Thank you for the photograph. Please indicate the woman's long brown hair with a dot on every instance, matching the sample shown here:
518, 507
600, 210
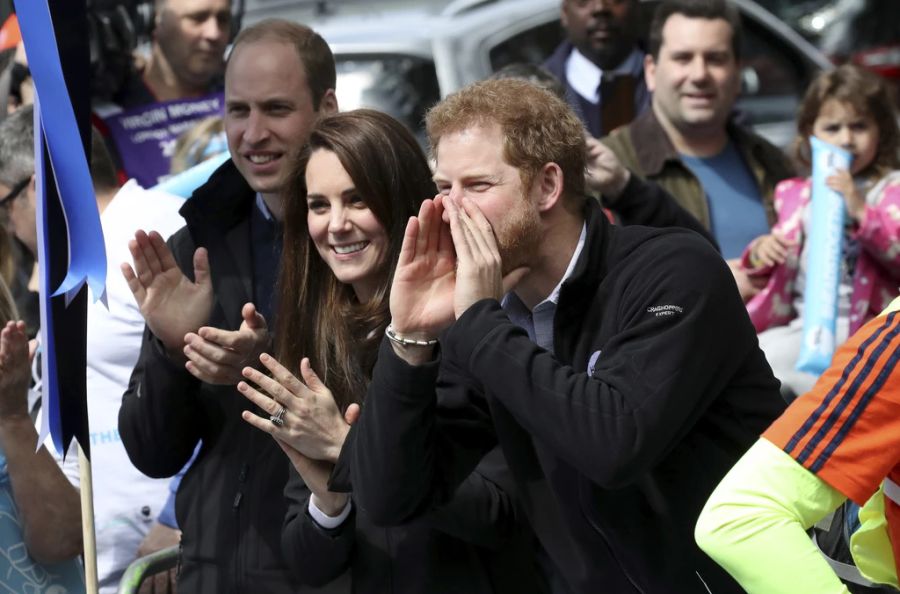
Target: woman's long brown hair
318, 316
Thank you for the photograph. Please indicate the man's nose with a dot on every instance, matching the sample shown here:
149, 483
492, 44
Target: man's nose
698, 69
256, 129
456, 192
214, 28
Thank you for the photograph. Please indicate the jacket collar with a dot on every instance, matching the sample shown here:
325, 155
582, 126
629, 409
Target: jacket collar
591, 265
651, 143
222, 202
218, 218
654, 149
556, 63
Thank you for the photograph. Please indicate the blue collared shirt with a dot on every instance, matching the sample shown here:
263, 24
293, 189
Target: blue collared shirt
539, 321
265, 236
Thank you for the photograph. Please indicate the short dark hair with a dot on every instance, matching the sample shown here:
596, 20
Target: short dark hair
315, 55
696, 9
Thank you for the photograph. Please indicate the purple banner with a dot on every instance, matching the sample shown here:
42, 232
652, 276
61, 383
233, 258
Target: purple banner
145, 136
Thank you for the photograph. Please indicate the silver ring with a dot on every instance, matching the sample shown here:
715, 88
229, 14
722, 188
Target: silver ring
278, 418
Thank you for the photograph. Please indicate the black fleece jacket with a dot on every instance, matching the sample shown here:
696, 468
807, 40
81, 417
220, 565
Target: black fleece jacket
230, 504
656, 388
475, 544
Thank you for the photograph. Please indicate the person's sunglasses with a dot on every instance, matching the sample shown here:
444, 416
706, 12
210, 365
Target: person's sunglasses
14, 192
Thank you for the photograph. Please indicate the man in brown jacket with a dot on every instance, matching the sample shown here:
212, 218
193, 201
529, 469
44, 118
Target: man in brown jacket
721, 173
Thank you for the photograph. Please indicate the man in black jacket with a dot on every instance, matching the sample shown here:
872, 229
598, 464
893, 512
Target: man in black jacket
621, 376
206, 303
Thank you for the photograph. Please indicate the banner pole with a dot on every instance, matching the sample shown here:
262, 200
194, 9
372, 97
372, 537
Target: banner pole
87, 523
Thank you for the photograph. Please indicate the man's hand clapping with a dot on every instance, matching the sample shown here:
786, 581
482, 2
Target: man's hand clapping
171, 304
217, 356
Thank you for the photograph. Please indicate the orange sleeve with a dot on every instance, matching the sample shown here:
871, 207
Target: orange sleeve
846, 430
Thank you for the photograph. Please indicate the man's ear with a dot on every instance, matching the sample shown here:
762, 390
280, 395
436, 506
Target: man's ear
329, 104
549, 186
650, 72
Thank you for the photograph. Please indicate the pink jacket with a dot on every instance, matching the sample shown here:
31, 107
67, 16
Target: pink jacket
876, 279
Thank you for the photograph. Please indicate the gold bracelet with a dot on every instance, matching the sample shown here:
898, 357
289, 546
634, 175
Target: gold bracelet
394, 337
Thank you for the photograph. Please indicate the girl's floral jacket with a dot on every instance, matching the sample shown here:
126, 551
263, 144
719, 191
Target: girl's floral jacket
876, 277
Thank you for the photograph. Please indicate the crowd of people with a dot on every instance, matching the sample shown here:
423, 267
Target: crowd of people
556, 354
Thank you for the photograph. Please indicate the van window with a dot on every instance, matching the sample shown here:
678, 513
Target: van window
402, 86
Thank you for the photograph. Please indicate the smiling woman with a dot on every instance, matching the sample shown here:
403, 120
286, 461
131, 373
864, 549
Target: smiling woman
347, 201
346, 233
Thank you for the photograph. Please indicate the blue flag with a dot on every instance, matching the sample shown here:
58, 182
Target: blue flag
71, 251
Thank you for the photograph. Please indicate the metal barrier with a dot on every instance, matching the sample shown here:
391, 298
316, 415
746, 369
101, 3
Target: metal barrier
145, 567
